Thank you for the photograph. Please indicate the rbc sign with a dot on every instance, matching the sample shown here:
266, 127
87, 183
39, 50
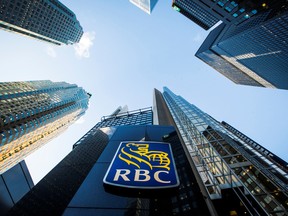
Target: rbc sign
143, 165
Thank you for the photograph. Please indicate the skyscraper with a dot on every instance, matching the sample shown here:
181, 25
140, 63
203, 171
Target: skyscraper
121, 116
193, 11
252, 53
46, 20
14, 184
250, 45
221, 171
207, 13
231, 71
145, 5
34, 112
230, 164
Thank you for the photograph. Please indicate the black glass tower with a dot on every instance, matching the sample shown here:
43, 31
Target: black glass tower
14, 184
250, 45
46, 20
252, 53
221, 171
207, 13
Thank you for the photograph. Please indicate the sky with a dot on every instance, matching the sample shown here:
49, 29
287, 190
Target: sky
123, 55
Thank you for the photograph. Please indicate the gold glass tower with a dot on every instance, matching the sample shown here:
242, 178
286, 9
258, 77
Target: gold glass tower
34, 112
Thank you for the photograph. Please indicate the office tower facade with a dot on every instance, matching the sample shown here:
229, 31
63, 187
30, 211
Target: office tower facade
47, 20
120, 117
250, 45
14, 184
34, 112
193, 11
229, 163
145, 5
207, 13
231, 71
221, 171
253, 53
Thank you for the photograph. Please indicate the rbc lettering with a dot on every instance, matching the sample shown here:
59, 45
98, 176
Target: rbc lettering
140, 175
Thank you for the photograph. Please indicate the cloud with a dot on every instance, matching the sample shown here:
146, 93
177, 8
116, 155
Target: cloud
82, 49
198, 38
51, 52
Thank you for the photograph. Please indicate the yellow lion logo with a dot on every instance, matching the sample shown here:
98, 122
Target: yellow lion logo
135, 154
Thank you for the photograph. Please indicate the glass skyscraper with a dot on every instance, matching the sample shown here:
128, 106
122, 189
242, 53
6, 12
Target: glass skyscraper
207, 13
221, 171
121, 116
46, 20
249, 47
254, 53
14, 184
145, 5
228, 162
34, 112
193, 11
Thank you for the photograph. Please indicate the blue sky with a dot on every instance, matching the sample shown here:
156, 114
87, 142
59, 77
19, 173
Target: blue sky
124, 54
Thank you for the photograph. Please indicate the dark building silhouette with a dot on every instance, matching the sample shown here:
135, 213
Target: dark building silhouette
252, 53
14, 184
249, 46
207, 13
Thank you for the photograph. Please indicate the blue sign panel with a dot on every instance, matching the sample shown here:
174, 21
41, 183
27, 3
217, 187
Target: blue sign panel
143, 165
